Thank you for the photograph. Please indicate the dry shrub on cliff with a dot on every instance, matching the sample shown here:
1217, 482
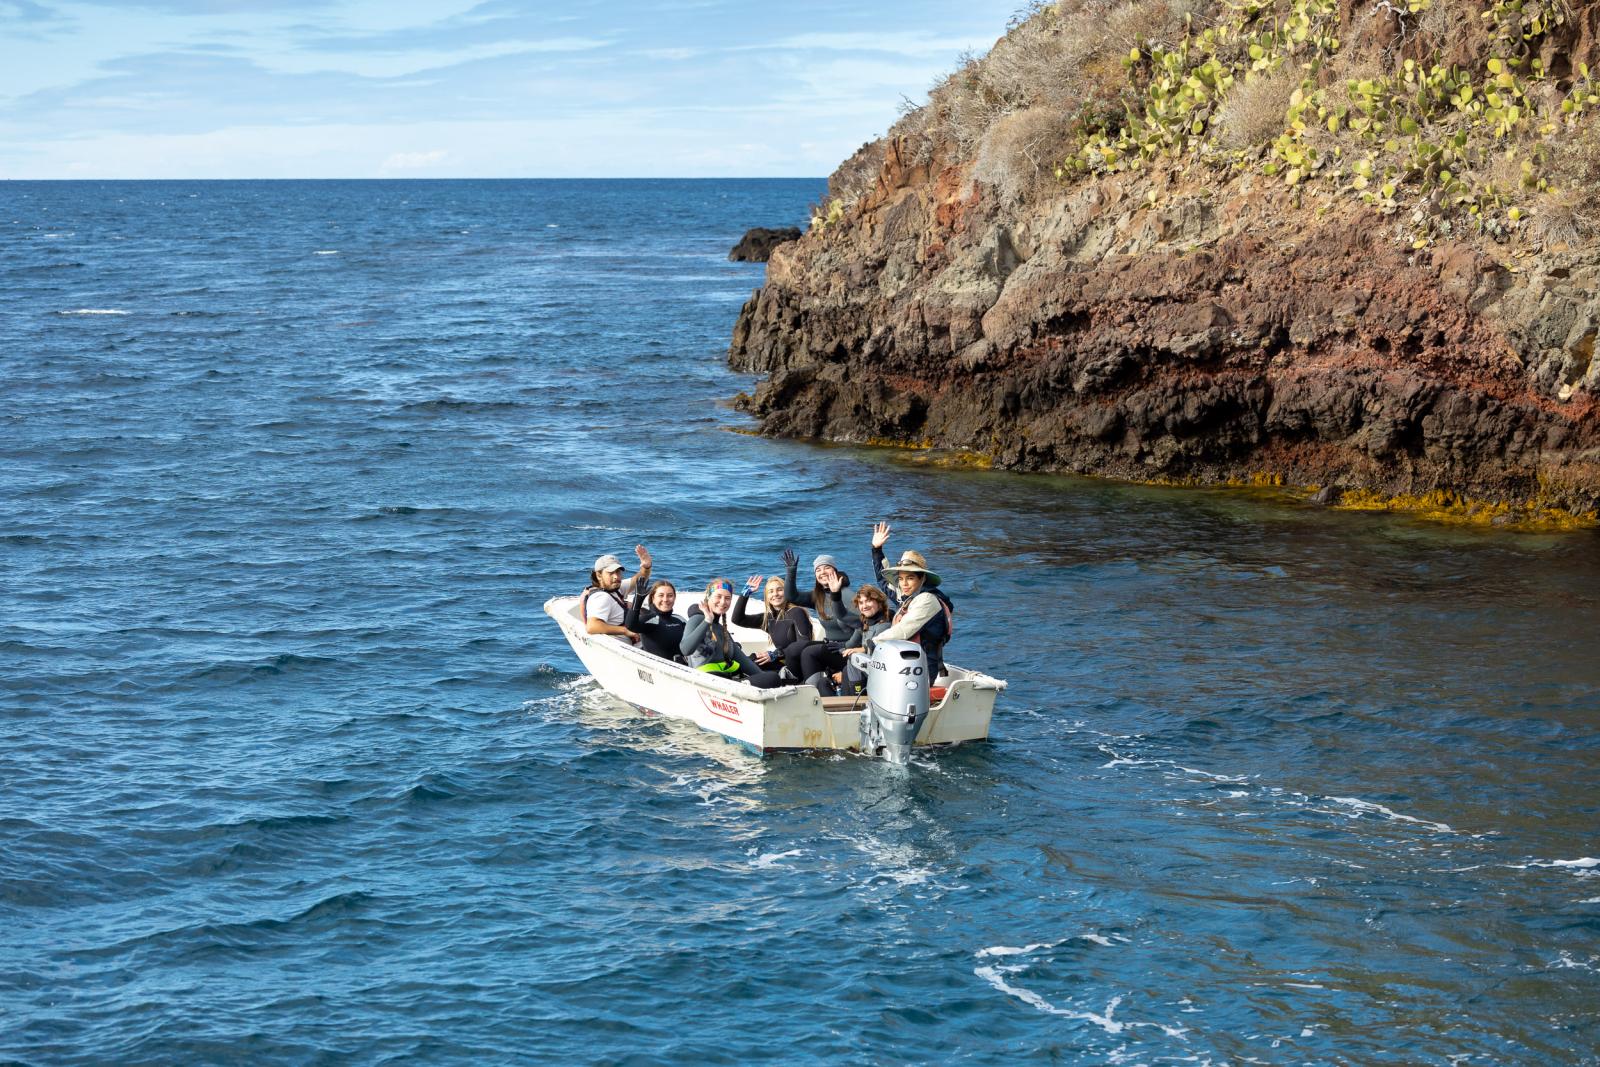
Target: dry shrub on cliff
965, 105
914, 129
1574, 158
1570, 212
856, 174
1065, 56
1255, 111
1019, 153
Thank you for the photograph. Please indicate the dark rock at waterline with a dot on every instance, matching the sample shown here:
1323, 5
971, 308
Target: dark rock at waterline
1100, 332
1328, 496
757, 244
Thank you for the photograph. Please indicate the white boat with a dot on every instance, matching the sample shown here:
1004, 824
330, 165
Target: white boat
793, 718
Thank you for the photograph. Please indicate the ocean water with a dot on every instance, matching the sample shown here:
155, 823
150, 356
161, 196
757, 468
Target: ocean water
294, 769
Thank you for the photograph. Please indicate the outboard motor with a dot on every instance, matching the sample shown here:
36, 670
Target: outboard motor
897, 698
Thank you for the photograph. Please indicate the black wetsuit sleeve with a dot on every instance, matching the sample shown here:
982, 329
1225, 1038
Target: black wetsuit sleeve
741, 616
890, 593
791, 575
635, 608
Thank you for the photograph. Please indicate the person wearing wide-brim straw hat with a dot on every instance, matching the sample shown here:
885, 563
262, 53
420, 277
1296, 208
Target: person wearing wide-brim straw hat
921, 612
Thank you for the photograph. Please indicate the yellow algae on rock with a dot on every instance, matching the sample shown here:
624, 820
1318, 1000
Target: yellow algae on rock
1443, 505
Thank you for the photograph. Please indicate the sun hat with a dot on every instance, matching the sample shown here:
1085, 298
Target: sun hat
607, 563
913, 563
824, 561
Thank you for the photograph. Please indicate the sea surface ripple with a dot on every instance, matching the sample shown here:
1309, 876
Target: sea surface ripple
294, 769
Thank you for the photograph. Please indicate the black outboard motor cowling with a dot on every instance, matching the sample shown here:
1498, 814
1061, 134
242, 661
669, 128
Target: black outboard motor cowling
897, 698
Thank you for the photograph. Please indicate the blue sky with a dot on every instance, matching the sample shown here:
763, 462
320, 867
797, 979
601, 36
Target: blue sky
463, 88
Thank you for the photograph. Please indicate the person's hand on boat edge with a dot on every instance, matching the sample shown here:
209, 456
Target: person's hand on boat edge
880, 534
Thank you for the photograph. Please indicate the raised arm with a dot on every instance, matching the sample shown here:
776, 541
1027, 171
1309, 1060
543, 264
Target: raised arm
641, 580
791, 568
880, 537
635, 608
740, 615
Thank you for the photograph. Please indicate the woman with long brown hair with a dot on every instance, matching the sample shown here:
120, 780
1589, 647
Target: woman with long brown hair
708, 644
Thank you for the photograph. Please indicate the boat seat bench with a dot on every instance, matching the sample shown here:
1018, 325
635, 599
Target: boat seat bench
856, 703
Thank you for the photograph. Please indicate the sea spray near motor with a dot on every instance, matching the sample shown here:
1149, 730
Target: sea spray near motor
898, 689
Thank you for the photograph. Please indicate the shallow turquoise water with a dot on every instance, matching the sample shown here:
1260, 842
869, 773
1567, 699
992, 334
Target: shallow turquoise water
296, 769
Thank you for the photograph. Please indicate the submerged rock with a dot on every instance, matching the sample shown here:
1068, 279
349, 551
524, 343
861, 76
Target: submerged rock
1328, 496
757, 244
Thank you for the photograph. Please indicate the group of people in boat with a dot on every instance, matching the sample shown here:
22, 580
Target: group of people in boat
906, 604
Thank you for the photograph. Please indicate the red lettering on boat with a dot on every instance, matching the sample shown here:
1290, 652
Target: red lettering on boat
721, 707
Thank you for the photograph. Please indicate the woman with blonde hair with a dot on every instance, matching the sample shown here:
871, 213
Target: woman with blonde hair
784, 621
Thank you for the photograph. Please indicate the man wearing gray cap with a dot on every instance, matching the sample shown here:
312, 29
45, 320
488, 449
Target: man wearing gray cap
605, 602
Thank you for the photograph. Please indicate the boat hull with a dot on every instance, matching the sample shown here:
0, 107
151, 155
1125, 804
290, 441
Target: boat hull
794, 718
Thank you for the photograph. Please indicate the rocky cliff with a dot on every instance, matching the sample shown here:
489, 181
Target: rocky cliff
1193, 294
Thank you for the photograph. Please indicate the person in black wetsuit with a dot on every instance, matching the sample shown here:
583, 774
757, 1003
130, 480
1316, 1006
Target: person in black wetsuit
660, 631
829, 599
709, 646
786, 623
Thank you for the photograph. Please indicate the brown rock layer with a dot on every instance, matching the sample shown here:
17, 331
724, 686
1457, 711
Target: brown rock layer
1177, 327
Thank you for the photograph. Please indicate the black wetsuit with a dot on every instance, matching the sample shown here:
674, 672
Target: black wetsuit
660, 634
838, 623
708, 641
790, 631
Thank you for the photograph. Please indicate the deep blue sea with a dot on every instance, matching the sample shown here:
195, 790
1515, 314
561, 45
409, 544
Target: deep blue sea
294, 769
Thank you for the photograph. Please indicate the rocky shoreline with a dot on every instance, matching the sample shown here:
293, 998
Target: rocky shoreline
1172, 325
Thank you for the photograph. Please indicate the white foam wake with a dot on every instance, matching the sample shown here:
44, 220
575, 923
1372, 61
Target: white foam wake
1124, 761
1356, 806
1367, 805
1029, 997
1580, 867
1567, 960
770, 859
94, 311
1012, 950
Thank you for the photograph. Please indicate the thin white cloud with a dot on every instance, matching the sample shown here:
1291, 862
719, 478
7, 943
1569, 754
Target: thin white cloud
368, 87
31, 21
671, 55
201, 8
919, 45
411, 161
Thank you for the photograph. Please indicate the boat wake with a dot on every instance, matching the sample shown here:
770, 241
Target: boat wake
1002, 977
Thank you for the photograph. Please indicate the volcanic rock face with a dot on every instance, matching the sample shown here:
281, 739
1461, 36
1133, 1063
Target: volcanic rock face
1146, 329
757, 244
1222, 296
